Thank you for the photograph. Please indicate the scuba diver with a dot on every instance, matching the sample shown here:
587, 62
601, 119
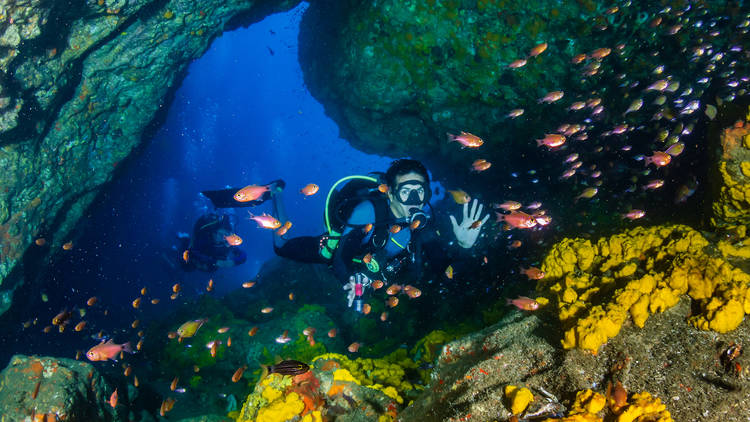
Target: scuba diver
378, 227
214, 243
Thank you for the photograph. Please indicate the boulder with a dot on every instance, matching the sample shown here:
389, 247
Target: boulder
46, 388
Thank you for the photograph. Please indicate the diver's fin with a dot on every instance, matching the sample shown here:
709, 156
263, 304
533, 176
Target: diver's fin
224, 198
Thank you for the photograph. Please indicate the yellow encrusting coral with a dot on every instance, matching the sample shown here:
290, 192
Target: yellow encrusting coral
518, 398
386, 375
637, 273
732, 205
644, 407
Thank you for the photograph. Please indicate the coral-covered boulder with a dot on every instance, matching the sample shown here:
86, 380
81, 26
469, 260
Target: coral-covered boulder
56, 389
731, 206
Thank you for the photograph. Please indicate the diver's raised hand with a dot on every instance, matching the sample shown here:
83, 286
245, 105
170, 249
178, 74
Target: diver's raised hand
468, 231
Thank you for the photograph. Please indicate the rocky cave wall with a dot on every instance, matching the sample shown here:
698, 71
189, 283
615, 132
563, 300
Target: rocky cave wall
80, 82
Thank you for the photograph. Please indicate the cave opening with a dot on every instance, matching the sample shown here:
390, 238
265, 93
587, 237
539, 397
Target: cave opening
242, 115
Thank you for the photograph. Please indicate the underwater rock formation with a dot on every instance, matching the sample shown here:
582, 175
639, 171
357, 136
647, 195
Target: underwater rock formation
46, 388
80, 85
732, 206
687, 370
397, 75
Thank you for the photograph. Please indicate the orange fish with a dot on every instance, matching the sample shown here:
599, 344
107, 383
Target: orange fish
47, 329
67, 246
176, 288
214, 347
166, 406
466, 139
92, 300
551, 140
210, 285
515, 64
309, 331
538, 49
377, 284
460, 197
173, 385
222, 330
80, 325
392, 301
253, 331
62, 317
144, 291
384, 316
107, 350
415, 224
135, 381
154, 301
393, 289
367, 258
449, 272
128, 370
310, 189
413, 293
137, 302
660, 159
480, 165
267, 310
524, 303
282, 230
367, 228
366, 308
139, 345
266, 221
113, 399
186, 255
172, 334
332, 333
353, 347
532, 273
41, 241
248, 284
135, 323
551, 97
600, 53
578, 58
238, 373
509, 205
233, 240
291, 296
516, 244
476, 224
383, 188
250, 193
395, 228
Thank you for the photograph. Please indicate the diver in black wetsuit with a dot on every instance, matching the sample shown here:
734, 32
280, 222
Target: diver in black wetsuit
384, 227
208, 249
211, 246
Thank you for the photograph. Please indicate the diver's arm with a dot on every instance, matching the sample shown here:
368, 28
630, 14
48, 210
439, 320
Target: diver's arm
350, 244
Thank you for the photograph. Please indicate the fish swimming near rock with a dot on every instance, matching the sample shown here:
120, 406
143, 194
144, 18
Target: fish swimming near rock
286, 367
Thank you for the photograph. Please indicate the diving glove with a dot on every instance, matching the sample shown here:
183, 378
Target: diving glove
356, 290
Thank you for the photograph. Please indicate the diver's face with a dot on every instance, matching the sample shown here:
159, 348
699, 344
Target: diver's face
408, 194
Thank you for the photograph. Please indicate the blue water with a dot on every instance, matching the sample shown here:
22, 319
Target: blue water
242, 116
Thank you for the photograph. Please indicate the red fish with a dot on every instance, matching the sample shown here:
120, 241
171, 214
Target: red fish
524, 303
517, 219
466, 139
107, 350
310, 189
532, 273
660, 159
233, 240
250, 193
113, 399
266, 221
551, 140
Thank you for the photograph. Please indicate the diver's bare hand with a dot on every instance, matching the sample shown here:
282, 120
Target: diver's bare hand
468, 231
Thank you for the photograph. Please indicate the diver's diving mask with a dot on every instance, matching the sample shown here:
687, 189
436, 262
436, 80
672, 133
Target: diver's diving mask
412, 192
